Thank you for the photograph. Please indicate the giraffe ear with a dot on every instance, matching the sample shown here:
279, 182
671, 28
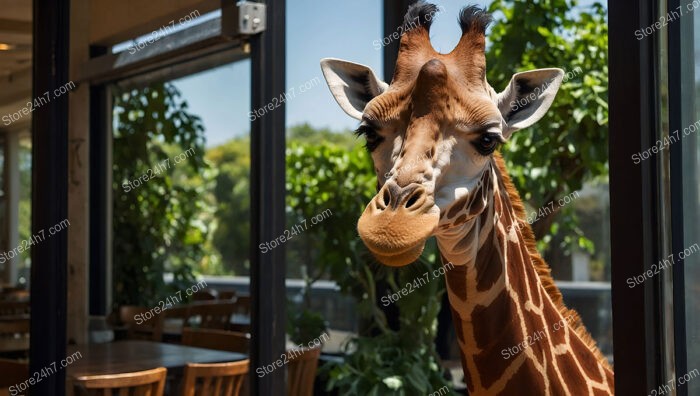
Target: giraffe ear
352, 85
528, 97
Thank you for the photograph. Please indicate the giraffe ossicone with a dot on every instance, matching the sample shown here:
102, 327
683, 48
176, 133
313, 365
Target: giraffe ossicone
433, 134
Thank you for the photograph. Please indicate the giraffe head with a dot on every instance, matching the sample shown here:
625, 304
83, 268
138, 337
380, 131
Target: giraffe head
433, 130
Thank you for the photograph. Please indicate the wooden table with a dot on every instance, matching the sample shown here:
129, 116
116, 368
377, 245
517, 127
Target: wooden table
130, 356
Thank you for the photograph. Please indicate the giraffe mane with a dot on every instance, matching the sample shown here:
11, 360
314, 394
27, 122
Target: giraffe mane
541, 267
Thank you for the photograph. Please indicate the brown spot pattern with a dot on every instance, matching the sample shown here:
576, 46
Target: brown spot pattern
457, 281
526, 381
488, 264
457, 207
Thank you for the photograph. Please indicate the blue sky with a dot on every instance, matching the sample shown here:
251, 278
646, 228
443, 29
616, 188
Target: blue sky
315, 30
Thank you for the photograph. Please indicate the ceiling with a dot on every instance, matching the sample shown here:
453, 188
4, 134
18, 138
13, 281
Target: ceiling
15, 51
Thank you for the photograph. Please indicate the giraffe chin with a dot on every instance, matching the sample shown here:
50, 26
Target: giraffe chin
400, 259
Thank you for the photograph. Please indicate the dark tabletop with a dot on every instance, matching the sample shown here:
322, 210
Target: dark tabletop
129, 356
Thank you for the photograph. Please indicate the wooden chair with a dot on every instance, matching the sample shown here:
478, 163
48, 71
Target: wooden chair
217, 379
13, 373
151, 329
241, 309
14, 308
20, 295
142, 383
14, 338
174, 320
205, 295
214, 314
242, 305
230, 341
302, 371
227, 295
14, 328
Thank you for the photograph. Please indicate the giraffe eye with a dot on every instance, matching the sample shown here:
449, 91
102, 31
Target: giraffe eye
372, 138
487, 143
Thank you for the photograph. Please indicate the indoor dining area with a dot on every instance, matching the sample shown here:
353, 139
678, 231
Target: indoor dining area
197, 348
84, 310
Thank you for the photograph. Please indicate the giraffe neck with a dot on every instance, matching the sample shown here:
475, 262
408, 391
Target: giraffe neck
514, 333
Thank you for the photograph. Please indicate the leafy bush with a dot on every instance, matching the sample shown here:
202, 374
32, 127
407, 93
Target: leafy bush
156, 224
388, 364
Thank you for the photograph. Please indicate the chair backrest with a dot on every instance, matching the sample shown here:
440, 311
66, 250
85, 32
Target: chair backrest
141, 383
227, 294
222, 340
13, 373
15, 295
301, 372
216, 379
205, 295
142, 323
14, 328
213, 314
242, 304
14, 308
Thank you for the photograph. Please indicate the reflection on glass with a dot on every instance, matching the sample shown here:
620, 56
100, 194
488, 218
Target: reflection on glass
691, 213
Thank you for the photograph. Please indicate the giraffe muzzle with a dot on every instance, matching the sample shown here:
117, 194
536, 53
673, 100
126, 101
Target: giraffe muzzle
397, 222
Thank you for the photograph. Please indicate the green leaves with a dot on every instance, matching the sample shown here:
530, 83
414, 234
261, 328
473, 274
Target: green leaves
389, 364
157, 224
569, 145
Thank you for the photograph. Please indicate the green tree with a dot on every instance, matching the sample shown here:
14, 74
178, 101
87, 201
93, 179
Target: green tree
157, 222
569, 146
231, 235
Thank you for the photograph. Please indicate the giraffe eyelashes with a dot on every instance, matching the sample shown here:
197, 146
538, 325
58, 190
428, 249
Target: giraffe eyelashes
372, 138
487, 143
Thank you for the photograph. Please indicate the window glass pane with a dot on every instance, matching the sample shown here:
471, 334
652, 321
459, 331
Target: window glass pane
691, 210
325, 162
571, 217
567, 207
181, 164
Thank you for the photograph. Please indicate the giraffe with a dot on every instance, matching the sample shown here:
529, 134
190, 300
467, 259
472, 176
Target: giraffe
433, 133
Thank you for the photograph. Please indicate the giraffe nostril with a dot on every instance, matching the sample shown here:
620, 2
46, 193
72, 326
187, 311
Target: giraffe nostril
413, 199
387, 197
